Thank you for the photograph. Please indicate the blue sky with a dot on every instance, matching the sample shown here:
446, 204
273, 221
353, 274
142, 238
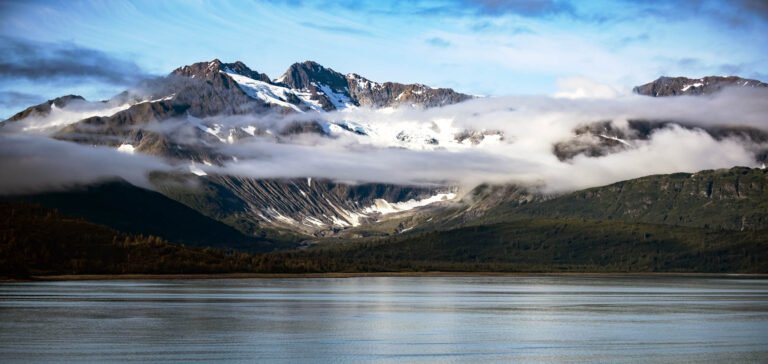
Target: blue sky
488, 47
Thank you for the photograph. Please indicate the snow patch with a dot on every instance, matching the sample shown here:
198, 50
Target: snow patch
383, 207
694, 85
249, 129
314, 221
339, 100
263, 91
126, 148
622, 141
196, 170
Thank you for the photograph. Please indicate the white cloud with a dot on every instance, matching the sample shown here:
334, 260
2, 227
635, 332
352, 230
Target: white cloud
582, 87
531, 125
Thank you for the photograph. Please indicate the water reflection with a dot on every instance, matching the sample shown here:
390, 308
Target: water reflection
388, 319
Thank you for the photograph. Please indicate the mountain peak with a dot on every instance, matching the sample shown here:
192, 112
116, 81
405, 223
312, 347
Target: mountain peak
208, 70
676, 86
308, 75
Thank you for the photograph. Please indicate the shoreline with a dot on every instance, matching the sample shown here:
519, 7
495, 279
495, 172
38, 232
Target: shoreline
208, 276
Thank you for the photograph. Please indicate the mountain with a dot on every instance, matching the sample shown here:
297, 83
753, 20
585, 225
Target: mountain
310, 206
182, 117
666, 223
134, 210
334, 91
709, 221
44, 108
604, 137
733, 199
203, 92
38, 240
676, 86
199, 118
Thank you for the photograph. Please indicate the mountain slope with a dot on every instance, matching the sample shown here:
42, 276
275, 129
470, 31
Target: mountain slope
131, 209
44, 108
542, 245
733, 199
36, 240
308, 205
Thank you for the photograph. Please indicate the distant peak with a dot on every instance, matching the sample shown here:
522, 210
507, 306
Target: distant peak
675, 86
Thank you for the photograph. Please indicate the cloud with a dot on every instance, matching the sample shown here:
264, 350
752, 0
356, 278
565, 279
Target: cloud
438, 42
531, 126
13, 99
56, 63
756, 7
36, 163
337, 29
531, 8
581, 87
689, 63
633, 39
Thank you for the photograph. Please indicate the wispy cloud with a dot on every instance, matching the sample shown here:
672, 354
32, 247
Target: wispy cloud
530, 8
53, 63
13, 99
338, 29
438, 42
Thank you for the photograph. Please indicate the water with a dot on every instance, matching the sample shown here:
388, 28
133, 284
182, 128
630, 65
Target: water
388, 319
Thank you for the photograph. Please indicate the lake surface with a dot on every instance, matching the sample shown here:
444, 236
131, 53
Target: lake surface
388, 319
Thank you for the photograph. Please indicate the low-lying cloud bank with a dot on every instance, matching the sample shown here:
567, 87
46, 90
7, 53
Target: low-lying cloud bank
32, 163
531, 127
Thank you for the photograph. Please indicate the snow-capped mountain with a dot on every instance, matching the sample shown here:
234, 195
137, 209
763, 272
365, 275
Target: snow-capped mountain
675, 86
184, 117
310, 86
199, 115
605, 137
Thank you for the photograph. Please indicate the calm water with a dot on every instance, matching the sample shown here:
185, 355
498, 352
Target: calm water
402, 319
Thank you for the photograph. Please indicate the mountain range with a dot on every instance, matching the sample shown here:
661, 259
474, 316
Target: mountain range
196, 117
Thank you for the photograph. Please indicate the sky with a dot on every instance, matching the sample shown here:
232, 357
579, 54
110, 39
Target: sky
483, 47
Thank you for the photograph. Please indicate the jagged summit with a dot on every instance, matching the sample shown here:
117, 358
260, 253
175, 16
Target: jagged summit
209, 70
308, 75
676, 86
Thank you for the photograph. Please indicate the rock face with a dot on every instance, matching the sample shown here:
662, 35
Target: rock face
335, 91
389, 94
308, 205
326, 86
676, 86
